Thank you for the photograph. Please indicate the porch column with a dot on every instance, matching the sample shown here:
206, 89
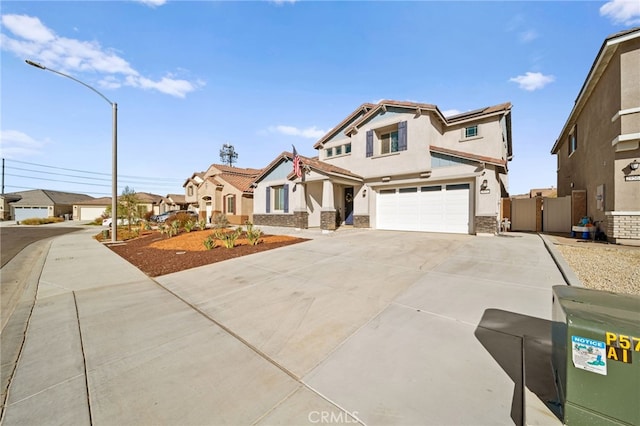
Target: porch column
328, 211
300, 213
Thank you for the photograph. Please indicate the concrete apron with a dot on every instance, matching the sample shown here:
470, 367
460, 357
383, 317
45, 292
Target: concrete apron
394, 328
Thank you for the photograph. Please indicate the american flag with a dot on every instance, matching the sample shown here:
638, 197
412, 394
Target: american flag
296, 163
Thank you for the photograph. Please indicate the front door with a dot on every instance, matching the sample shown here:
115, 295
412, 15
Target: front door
348, 206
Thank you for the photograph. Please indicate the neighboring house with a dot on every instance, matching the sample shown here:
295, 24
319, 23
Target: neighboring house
5, 206
148, 202
397, 166
42, 203
173, 202
598, 150
91, 209
96, 207
222, 189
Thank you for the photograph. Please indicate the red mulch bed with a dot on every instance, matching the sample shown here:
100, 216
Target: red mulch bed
155, 254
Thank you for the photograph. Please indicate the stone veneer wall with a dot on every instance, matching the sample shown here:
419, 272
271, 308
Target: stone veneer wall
486, 224
328, 220
301, 219
361, 221
275, 220
620, 227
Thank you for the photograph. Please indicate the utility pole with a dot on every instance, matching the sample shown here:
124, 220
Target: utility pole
3, 176
228, 154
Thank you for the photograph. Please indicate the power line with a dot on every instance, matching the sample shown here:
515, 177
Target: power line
94, 173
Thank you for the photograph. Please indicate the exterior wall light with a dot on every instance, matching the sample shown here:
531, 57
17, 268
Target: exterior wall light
634, 165
484, 184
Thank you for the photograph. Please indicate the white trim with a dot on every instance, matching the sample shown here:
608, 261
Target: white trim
625, 138
621, 213
624, 112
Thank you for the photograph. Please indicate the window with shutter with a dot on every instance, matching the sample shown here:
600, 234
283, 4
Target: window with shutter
268, 208
402, 136
285, 190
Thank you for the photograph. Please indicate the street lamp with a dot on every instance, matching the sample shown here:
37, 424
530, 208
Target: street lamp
114, 156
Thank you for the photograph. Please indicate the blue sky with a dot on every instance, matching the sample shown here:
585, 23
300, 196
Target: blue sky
189, 77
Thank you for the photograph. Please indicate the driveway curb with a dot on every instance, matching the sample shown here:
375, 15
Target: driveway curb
567, 273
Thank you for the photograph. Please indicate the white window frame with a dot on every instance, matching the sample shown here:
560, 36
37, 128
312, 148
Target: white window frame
278, 198
231, 198
572, 141
466, 131
389, 141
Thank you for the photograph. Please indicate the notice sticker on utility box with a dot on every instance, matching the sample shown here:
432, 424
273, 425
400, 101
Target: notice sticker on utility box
589, 355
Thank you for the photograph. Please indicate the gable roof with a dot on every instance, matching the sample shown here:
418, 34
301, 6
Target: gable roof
371, 110
237, 170
240, 182
600, 64
46, 197
102, 201
176, 198
469, 156
312, 163
361, 110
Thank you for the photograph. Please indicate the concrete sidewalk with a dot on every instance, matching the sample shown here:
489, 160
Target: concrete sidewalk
359, 326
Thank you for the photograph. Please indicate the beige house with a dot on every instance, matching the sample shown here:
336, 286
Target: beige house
94, 208
396, 166
222, 189
598, 150
173, 202
40, 203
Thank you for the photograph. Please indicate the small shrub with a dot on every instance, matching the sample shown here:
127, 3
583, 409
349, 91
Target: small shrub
253, 234
209, 243
228, 238
41, 220
173, 228
162, 228
202, 224
189, 225
220, 221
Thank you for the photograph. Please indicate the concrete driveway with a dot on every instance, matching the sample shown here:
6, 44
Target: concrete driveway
357, 326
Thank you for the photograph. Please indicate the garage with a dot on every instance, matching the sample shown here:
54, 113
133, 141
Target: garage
22, 213
431, 208
90, 212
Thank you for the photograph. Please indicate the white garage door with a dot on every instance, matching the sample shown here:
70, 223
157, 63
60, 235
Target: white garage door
433, 208
90, 213
22, 213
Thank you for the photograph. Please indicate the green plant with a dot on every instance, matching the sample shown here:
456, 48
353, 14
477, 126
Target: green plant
253, 234
202, 224
228, 238
173, 228
162, 228
209, 243
220, 221
189, 225
41, 220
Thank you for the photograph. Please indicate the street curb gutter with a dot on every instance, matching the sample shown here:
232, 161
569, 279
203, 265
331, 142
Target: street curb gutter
567, 273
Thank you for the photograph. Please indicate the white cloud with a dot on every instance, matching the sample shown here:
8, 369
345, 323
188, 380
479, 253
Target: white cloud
35, 41
527, 36
152, 3
14, 143
533, 81
625, 12
310, 132
281, 2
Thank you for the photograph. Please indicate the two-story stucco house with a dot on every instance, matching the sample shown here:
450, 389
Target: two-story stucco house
222, 189
598, 150
396, 166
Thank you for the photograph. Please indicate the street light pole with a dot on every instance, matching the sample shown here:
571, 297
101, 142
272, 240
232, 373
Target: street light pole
114, 144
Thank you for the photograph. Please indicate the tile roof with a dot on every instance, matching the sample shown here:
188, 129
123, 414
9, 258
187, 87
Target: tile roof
237, 170
177, 198
102, 201
146, 197
238, 181
468, 156
45, 197
370, 110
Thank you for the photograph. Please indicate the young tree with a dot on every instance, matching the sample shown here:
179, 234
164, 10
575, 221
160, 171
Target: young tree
128, 207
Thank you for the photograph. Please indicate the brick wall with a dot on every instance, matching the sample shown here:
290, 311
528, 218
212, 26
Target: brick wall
361, 221
622, 227
486, 224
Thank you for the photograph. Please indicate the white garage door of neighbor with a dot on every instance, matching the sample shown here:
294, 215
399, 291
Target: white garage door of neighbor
23, 213
432, 208
90, 213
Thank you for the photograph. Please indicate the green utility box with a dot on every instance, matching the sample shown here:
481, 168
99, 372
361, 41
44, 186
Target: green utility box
596, 356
